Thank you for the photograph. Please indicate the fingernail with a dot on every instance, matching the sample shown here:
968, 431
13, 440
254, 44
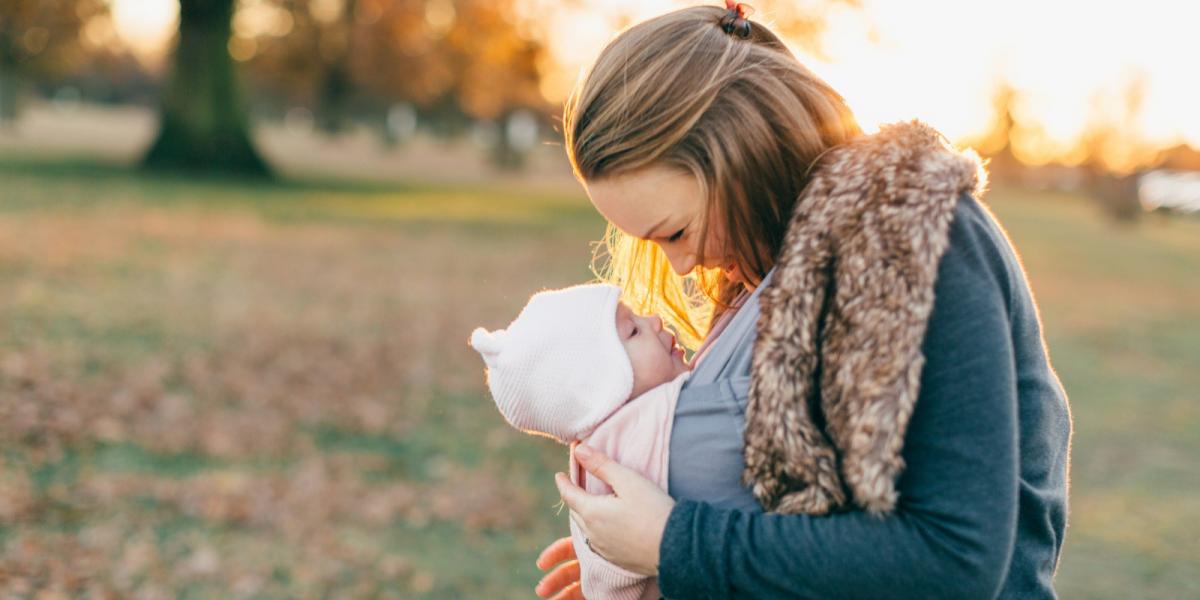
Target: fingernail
582, 451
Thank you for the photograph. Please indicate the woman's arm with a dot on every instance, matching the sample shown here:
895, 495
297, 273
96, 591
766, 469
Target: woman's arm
953, 531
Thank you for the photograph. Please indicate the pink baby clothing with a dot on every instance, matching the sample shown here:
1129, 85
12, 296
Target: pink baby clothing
560, 370
638, 436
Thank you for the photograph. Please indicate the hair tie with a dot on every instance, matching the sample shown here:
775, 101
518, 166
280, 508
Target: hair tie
737, 18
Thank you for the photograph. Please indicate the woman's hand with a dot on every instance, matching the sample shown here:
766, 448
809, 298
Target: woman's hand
563, 582
625, 527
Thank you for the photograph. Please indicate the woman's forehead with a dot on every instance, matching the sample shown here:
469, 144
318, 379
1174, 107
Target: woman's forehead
641, 202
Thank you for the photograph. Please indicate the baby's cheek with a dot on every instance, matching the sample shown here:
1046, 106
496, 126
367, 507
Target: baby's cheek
644, 370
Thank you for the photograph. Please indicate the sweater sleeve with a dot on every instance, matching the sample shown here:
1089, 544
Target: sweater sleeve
953, 531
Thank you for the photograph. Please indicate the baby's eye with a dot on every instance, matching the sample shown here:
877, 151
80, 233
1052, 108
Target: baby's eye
634, 332
676, 236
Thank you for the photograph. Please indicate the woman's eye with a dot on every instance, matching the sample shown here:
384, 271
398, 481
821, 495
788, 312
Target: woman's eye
676, 236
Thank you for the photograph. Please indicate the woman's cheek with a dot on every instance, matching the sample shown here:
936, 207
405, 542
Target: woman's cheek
681, 263
714, 249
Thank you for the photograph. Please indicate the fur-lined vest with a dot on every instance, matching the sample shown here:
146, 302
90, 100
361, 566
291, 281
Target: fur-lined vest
837, 361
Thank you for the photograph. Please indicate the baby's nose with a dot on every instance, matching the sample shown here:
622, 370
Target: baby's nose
657, 322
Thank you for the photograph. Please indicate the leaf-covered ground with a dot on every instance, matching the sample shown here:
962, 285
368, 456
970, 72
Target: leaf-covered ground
233, 389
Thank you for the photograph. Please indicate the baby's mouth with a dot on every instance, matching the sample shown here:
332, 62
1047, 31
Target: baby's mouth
674, 347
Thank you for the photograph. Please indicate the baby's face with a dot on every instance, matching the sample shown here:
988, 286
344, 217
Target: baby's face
652, 350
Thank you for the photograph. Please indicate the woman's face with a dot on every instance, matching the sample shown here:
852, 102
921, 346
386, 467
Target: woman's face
664, 206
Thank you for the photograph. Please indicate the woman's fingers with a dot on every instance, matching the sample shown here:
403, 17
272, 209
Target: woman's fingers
560, 580
571, 592
616, 475
574, 496
558, 551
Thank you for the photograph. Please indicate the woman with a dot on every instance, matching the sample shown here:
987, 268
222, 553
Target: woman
874, 373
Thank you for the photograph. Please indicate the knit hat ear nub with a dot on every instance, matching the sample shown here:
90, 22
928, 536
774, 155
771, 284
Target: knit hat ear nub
559, 368
487, 344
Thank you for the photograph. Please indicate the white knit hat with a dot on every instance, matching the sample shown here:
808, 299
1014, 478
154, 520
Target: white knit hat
560, 368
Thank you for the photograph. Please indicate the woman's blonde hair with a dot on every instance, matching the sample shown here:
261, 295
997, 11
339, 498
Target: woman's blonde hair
741, 115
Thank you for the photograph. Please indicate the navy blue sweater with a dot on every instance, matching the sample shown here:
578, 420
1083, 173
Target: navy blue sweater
983, 499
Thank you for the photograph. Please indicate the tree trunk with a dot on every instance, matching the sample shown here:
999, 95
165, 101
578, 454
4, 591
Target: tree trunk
203, 123
335, 87
10, 96
333, 97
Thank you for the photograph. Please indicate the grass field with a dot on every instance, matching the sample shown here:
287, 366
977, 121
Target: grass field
235, 389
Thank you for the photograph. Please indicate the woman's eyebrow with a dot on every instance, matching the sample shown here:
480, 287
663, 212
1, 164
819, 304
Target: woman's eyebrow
655, 228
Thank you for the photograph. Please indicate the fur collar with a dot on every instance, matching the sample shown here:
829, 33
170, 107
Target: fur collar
837, 362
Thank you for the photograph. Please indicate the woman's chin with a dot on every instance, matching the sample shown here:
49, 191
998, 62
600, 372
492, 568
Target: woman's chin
733, 274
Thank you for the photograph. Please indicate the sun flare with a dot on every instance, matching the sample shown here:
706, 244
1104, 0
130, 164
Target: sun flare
1073, 65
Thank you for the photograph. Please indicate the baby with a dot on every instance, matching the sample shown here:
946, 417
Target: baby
578, 365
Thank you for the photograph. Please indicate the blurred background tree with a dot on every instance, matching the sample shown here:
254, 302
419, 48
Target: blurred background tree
460, 64
1114, 155
456, 61
494, 73
203, 121
997, 142
39, 40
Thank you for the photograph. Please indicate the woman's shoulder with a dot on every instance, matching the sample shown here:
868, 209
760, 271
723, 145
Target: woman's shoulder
979, 257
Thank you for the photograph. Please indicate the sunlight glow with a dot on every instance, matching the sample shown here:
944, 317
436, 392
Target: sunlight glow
1073, 63
146, 25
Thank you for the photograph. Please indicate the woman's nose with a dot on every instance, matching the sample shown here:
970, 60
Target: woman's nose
681, 263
